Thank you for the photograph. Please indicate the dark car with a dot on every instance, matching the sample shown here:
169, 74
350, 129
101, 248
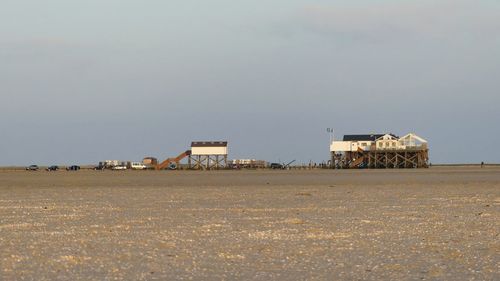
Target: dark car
53, 168
32, 168
73, 168
276, 166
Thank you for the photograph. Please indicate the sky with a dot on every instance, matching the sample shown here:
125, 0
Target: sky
85, 81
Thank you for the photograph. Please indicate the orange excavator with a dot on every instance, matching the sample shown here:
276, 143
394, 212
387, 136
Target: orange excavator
173, 163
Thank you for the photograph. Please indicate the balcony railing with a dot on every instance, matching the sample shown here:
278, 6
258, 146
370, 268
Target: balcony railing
399, 147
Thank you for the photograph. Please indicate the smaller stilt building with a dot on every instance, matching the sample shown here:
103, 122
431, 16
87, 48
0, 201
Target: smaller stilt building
208, 155
380, 151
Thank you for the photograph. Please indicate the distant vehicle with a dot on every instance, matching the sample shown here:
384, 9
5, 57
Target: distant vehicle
53, 168
119, 167
32, 168
73, 168
276, 166
172, 166
137, 166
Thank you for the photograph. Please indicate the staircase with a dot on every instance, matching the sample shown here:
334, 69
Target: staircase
360, 159
176, 160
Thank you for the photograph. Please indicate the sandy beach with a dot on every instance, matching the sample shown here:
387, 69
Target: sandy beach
426, 224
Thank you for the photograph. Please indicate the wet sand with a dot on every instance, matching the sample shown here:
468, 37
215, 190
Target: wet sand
431, 224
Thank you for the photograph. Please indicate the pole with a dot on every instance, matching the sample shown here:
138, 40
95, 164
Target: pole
332, 132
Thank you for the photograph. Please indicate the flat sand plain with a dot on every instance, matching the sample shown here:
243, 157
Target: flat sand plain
431, 224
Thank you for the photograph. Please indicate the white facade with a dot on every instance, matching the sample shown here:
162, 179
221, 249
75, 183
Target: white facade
350, 145
209, 150
386, 142
340, 146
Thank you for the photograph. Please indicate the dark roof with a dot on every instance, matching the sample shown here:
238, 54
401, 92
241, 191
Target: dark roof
371, 137
208, 143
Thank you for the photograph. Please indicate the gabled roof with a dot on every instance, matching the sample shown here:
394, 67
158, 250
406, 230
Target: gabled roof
209, 144
394, 137
412, 136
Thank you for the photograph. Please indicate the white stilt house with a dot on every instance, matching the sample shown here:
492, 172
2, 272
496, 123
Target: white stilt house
380, 151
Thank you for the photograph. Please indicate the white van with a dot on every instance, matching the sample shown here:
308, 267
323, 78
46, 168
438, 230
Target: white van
119, 167
137, 166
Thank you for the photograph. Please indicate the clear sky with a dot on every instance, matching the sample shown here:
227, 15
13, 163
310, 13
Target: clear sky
85, 81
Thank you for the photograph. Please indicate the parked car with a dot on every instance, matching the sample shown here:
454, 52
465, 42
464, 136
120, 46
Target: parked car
53, 168
73, 168
32, 168
275, 166
119, 167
